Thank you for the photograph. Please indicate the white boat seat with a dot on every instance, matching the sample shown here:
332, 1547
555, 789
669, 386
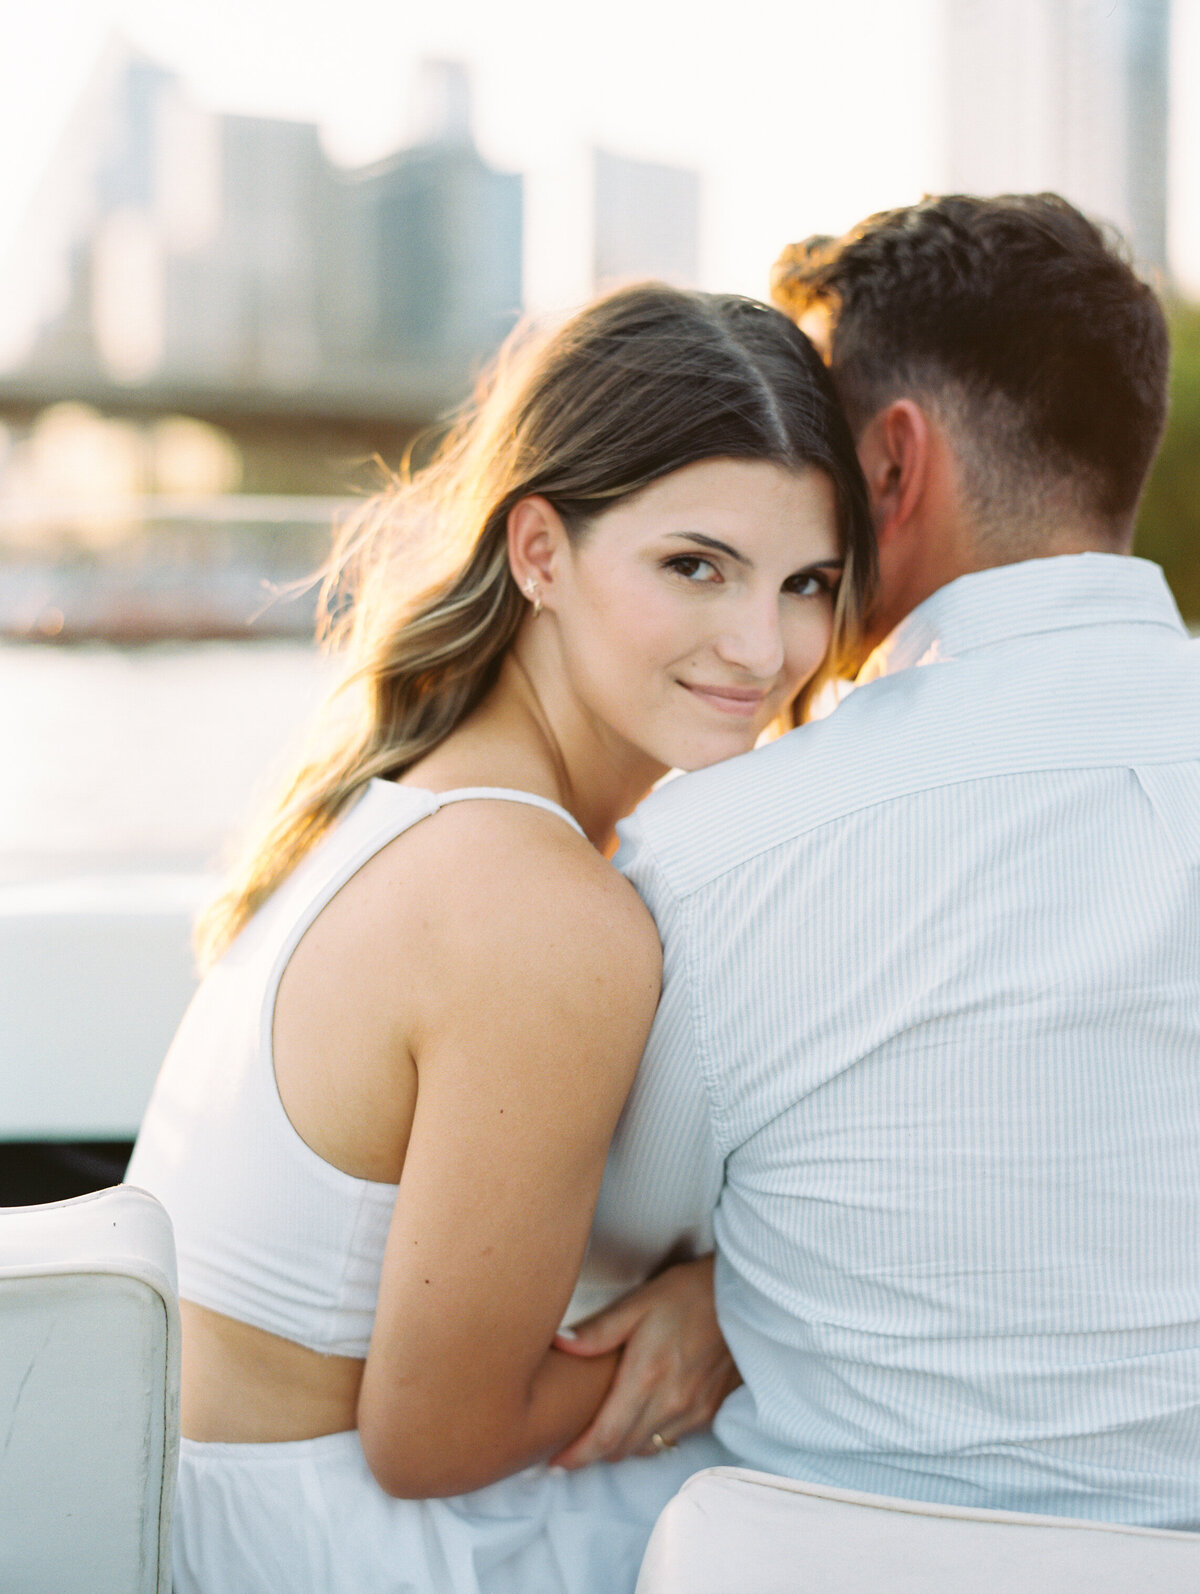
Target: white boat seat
733, 1531
97, 973
89, 1395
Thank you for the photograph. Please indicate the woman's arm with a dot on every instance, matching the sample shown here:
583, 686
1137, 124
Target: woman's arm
532, 981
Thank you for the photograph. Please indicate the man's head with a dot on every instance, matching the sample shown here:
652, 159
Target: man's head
1005, 374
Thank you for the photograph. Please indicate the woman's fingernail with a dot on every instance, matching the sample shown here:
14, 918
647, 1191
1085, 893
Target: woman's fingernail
566, 1333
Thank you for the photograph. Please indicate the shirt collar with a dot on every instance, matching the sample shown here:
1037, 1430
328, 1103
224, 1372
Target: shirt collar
1025, 599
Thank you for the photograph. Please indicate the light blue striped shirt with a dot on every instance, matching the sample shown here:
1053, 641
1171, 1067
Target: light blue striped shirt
932, 990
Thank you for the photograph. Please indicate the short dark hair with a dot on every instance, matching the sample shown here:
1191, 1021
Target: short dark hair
1018, 318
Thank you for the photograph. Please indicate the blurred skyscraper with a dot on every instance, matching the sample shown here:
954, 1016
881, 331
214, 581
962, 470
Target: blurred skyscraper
178, 251
1068, 95
434, 240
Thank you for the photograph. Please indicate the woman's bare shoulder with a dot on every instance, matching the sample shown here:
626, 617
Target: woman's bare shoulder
522, 957
477, 901
478, 869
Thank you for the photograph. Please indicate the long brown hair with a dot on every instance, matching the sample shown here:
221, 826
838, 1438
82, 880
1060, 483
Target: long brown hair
418, 592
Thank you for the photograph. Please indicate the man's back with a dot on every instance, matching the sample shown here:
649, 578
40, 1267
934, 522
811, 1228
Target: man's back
938, 960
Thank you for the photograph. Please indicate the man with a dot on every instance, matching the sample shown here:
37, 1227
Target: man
932, 964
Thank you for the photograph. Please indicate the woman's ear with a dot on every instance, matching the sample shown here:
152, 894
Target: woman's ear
536, 538
894, 449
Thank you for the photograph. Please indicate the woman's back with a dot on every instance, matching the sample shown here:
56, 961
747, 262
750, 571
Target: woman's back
282, 1190
268, 1230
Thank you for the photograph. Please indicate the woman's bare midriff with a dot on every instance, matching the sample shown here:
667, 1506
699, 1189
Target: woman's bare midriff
242, 1385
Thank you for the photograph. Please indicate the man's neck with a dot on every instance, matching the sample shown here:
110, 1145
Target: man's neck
969, 552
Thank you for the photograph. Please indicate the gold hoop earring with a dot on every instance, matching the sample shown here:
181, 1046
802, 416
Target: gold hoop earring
534, 596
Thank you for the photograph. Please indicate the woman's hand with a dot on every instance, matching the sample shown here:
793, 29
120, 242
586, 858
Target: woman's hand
674, 1372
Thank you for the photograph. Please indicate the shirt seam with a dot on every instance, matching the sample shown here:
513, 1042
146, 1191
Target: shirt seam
684, 911
684, 894
938, 638
717, 1108
1163, 817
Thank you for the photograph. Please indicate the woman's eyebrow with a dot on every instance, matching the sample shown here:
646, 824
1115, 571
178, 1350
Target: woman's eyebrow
717, 547
836, 562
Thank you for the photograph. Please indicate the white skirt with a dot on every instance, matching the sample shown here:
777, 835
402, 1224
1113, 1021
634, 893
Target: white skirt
308, 1518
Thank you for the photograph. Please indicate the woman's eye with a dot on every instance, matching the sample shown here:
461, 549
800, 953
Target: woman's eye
692, 567
810, 585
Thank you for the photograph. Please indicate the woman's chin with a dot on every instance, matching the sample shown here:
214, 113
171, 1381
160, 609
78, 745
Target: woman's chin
717, 752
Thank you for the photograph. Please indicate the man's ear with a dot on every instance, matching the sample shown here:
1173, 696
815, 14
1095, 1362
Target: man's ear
894, 451
536, 539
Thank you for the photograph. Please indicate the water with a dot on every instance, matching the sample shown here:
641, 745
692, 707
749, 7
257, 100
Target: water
141, 760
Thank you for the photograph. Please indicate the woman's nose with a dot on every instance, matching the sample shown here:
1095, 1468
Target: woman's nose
753, 640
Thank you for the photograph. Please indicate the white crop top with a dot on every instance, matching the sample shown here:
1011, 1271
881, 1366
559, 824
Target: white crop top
267, 1231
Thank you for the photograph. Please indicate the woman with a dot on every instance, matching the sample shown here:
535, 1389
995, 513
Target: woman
382, 1127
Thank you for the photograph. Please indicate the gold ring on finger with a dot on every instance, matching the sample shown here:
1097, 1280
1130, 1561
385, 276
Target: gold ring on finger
660, 1444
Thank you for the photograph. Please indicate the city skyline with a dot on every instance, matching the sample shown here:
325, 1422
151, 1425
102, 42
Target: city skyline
181, 262
798, 119
171, 249
179, 251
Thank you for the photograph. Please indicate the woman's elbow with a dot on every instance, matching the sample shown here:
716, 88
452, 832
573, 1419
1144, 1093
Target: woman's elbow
425, 1461
416, 1477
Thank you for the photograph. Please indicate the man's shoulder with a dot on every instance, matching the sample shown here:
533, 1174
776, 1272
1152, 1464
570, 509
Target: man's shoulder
701, 825
1087, 700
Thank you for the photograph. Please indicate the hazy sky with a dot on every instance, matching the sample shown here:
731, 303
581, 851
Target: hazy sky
802, 116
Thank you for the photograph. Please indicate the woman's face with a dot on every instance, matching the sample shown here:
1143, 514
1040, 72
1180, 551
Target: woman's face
689, 616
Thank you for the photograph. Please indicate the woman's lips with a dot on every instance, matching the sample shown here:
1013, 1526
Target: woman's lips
742, 702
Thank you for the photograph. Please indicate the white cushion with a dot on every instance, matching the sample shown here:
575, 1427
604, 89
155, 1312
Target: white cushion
733, 1531
89, 1395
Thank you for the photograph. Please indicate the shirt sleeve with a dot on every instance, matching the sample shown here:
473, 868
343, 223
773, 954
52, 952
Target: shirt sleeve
636, 860
667, 1123
672, 1047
